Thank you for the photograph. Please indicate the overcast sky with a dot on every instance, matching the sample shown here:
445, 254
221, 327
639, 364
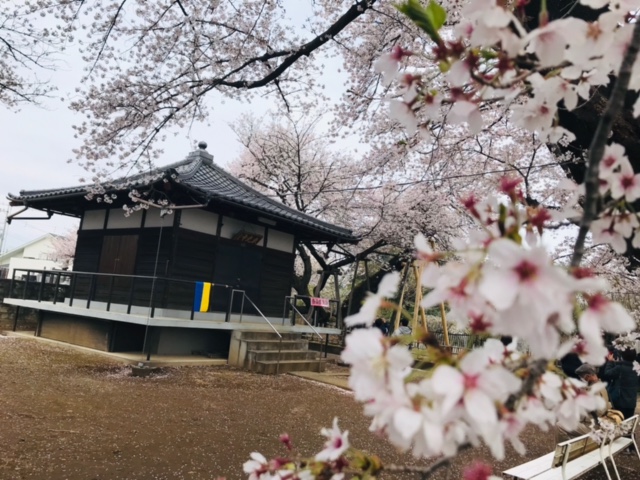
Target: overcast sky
36, 143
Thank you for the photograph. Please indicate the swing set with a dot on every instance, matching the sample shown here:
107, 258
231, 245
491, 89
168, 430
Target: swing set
419, 314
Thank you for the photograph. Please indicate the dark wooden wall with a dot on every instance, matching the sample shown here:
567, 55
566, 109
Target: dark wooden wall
266, 275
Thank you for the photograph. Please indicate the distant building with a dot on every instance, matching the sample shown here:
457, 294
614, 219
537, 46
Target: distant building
39, 254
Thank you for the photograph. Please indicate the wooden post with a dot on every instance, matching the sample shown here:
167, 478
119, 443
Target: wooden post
353, 286
445, 328
339, 310
443, 316
405, 274
416, 304
423, 314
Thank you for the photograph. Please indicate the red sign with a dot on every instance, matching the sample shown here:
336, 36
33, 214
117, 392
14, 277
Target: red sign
319, 302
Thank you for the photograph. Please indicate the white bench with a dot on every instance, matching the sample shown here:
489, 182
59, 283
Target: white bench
575, 457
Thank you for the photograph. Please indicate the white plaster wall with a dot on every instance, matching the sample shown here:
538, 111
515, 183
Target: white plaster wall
154, 220
199, 220
117, 219
280, 241
93, 220
231, 226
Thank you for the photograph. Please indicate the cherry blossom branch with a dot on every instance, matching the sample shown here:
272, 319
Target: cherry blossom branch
596, 150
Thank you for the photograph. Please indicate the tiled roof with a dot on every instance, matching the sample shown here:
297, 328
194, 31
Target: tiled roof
199, 174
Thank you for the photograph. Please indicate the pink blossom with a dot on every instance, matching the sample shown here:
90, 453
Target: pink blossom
604, 230
625, 183
459, 73
373, 363
475, 385
548, 43
515, 274
337, 443
388, 64
367, 313
478, 471
536, 114
578, 403
257, 467
614, 156
404, 115
600, 315
464, 111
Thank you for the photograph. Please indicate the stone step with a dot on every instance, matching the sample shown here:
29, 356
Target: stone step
276, 344
260, 355
271, 367
269, 336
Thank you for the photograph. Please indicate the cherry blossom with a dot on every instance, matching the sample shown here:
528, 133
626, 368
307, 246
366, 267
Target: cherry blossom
625, 184
337, 443
600, 315
257, 467
387, 288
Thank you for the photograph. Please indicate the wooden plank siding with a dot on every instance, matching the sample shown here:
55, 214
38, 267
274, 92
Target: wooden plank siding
275, 281
193, 260
88, 249
146, 265
265, 274
87, 259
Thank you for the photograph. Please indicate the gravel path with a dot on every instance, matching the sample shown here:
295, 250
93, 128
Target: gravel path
72, 415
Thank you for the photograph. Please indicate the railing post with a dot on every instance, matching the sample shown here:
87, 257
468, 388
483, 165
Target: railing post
193, 306
110, 293
56, 288
13, 281
26, 285
242, 306
287, 299
15, 318
41, 288
230, 306
74, 282
279, 355
133, 281
91, 287
293, 310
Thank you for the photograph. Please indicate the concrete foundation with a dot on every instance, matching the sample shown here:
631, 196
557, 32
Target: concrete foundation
85, 332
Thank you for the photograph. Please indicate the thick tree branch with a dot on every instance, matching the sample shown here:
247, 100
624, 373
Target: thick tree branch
596, 149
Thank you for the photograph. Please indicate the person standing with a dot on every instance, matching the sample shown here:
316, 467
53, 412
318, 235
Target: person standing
624, 382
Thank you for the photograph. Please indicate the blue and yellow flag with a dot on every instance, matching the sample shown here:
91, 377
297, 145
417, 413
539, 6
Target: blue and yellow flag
201, 299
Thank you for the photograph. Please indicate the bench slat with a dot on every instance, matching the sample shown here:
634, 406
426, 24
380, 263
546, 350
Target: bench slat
620, 443
542, 468
574, 469
532, 468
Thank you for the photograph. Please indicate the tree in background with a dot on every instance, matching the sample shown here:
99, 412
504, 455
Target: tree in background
29, 47
63, 248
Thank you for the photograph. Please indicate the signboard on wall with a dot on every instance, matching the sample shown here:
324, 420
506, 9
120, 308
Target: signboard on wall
319, 302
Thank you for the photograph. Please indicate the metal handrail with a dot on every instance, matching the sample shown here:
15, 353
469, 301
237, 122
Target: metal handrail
92, 276
244, 295
261, 314
307, 321
97, 274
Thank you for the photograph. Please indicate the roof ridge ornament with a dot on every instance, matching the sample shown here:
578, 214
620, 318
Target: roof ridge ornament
202, 153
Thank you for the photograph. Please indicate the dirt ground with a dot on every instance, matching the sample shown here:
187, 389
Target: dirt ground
71, 415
